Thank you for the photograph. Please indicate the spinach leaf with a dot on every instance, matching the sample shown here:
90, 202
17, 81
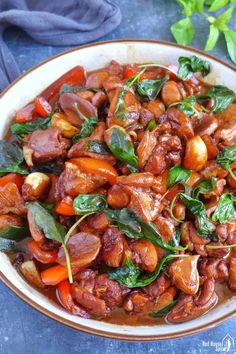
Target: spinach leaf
12, 232
69, 88
222, 97
97, 146
165, 310
130, 223
11, 157
120, 110
190, 65
177, 174
51, 229
120, 144
197, 208
128, 275
87, 128
225, 209
89, 203
22, 129
204, 186
149, 89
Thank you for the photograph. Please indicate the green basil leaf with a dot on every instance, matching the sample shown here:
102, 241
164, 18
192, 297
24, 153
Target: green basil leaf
165, 310
149, 89
120, 144
224, 18
69, 88
222, 97
128, 275
187, 105
87, 128
204, 186
190, 65
151, 125
225, 209
227, 157
188, 6
175, 241
208, 2
97, 146
22, 129
217, 4
50, 167
177, 174
121, 111
130, 223
183, 31
197, 208
89, 203
230, 38
12, 232
45, 222
11, 157
212, 38
7, 245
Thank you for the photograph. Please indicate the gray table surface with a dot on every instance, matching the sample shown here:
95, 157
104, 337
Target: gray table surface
24, 330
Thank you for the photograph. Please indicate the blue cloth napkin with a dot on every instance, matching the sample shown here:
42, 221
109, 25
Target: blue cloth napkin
54, 22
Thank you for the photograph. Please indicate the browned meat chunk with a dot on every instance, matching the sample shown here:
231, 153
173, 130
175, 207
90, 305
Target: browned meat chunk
11, 201
113, 246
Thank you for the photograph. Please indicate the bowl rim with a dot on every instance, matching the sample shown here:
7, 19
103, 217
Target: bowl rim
70, 323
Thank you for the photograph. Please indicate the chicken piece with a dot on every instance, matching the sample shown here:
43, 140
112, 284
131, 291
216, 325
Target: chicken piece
214, 268
232, 273
10, 220
156, 288
166, 227
113, 247
144, 253
207, 125
73, 182
227, 232
180, 123
146, 148
45, 145
71, 104
184, 274
11, 201
143, 180
117, 197
96, 79
83, 249
156, 107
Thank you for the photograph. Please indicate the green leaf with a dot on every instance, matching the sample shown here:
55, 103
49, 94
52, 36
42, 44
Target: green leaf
128, 275
22, 129
190, 65
7, 245
197, 208
177, 174
96, 146
230, 38
204, 186
212, 38
222, 96
130, 223
46, 222
217, 4
224, 18
183, 31
87, 128
50, 167
121, 111
165, 310
120, 144
149, 89
227, 157
188, 6
151, 125
187, 106
199, 5
208, 2
225, 209
11, 157
12, 232
66, 88
89, 203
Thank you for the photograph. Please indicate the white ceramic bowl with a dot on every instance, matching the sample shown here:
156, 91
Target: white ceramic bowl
29, 85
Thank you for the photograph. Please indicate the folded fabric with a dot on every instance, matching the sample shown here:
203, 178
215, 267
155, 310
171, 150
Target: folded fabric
54, 22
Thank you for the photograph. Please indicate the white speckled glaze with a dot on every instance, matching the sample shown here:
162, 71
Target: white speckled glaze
93, 57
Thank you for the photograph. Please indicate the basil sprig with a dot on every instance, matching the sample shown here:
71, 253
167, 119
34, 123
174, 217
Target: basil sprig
225, 209
226, 158
190, 65
177, 174
204, 186
222, 97
22, 129
88, 126
149, 89
11, 158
